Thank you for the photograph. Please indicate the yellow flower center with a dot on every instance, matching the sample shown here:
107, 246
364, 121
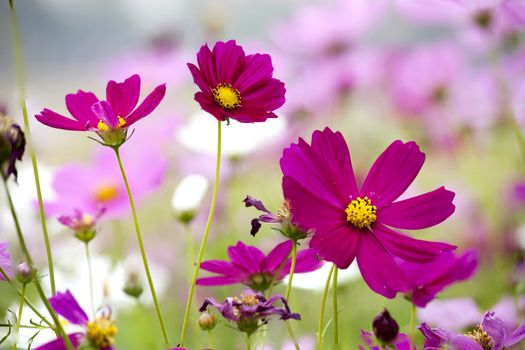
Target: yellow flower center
106, 192
247, 299
227, 96
361, 213
104, 127
101, 332
482, 338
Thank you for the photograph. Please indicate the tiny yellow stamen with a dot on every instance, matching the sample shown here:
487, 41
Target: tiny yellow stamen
101, 126
482, 338
106, 192
361, 213
101, 332
227, 96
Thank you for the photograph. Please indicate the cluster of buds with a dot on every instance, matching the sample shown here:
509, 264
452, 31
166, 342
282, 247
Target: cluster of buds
12, 146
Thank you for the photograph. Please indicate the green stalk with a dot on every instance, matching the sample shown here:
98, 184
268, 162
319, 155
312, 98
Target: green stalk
141, 246
248, 343
335, 310
204, 238
412, 322
292, 270
90, 276
18, 59
19, 315
292, 335
210, 340
320, 328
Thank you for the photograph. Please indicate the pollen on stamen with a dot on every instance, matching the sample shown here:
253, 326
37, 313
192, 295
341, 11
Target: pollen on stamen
361, 213
101, 126
227, 96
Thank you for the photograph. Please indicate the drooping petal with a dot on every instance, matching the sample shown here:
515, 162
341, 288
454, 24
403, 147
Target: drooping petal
79, 105
59, 344
55, 120
339, 246
379, 270
256, 67
419, 212
104, 112
124, 96
436, 337
229, 58
517, 336
246, 256
67, 306
496, 329
148, 105
277, 256
392, 173
408, 248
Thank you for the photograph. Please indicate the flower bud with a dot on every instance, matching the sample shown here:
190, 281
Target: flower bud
207, 321
25, 273
385, 327
12, 145
133, 286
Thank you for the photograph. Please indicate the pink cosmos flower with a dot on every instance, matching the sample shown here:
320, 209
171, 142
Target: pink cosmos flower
108, 118
235, 85
99, 184
252, 268
99, 333
355, 222
5, 260
428, 279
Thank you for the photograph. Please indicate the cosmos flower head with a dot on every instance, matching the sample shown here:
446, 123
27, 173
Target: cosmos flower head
250, 266
109, 118
82, 223
5, 260
426, 280
235, 85
12, 146
352, 222
98, 334
490, 334
251, 311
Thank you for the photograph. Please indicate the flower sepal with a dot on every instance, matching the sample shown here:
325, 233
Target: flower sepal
87, 346
292, 232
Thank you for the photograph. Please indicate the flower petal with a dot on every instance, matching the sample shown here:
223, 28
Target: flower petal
307, 261
221, 267
105, 113
199, 78
55, 120
79, 105
267, 96
339, 245
148, 105
206, 63
248, 257
277, 256
67, 306
58, 344
392, 173
257, 67
419, 212
229, 58
124, 96
408, 248
379, 270
219, 280
496, 329
517, 336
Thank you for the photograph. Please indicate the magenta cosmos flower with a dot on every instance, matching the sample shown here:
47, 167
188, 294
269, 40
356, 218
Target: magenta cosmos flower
109, 118
99, 333
428, 279
249, 266
491, 334
235, 85
5, 260
352, 222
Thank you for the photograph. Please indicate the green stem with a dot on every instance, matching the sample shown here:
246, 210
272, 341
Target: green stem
27, 301
18, 59
320, 328
141, 246
90, 273
276, 275
412, 322
292, 270
335, 309
248, 343
19, 315
210, 340
292, 335
190, 248
204, 238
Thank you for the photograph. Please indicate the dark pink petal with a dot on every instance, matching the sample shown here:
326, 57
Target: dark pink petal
267, 96
67, 306
249, 257
229, 58
392, 173
104, 112
222, 267
247, 115
206, 63
209, 105
124, 96
257, 67
517, 336
79, 105
199, 79
307, 261
55, 120
220, 280
339, 245
379, 270
496, 329
58, 344
419, 212
408, 248
148, 105
277, 256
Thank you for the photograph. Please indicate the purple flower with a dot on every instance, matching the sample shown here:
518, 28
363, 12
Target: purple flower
235, 85
12, 146
250, 311
5, 260
99, 333
491, 334
82, 223
402, 342
109, 118
352, 222
428, 279
99, 184
248, 265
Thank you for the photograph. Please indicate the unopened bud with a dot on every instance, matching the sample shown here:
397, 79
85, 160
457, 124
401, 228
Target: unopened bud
207, 321
25, 273
385, 327
133, 286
